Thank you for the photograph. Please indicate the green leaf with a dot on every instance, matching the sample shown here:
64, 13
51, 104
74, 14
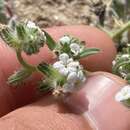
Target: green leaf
45, 86
21, 31
9, 37
52, 74
118, 64
50, 41
48, 70
19, 76
88, 51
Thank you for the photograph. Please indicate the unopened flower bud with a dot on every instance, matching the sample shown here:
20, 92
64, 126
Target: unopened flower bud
65, 39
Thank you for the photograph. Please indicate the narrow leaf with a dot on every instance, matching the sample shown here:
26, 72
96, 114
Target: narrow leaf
87, 52
50, 41
45, 69
8, 36
116, 67
52, 74
19, 76
21, 32
44, 86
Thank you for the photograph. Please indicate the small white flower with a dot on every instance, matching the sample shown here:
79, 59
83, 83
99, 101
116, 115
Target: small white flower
69, 60
64, 57
64, 71
65, 39
58, 65
42, 34
74, 64
120, 68
72, 69
123, 94
123, 74
125, 56
31, 24
113, 62
81, 75
72, 77
75, 48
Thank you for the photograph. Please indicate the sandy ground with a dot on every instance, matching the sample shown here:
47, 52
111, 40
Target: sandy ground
54, 12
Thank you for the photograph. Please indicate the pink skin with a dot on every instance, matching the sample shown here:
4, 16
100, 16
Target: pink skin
104, 110
98, 108
93, 38
101, 109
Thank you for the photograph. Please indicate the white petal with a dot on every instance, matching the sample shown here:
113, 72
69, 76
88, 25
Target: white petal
125, 56
123, 94
64, 57
72, 69
31, 24
119, 97
58, 65
127, 96
81, 75
75, 64
75, 48
72, 77
65, 39
113, 62
127, 88
63, 71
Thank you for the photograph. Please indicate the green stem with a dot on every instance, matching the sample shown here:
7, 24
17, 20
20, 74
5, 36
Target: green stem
119, 32
23, 63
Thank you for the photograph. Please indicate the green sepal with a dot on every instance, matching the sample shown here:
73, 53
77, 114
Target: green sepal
21, 31
88, 51
45, 86
65, 48
50, 41
9, 37
19, 76
52, 75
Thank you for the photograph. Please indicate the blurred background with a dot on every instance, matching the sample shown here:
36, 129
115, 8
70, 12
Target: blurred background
54, 12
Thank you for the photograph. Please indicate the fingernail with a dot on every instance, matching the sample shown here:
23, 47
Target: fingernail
91, 93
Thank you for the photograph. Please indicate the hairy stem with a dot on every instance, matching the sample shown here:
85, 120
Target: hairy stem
23, 62
119, 32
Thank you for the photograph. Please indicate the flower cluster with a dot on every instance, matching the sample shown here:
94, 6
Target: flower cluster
72, 70
121, 66
71, 45
65, 75
123, 96
26, 37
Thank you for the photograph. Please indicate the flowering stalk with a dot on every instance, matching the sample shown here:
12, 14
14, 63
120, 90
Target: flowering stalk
116, 34
23, 62
23, 37
65, 75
